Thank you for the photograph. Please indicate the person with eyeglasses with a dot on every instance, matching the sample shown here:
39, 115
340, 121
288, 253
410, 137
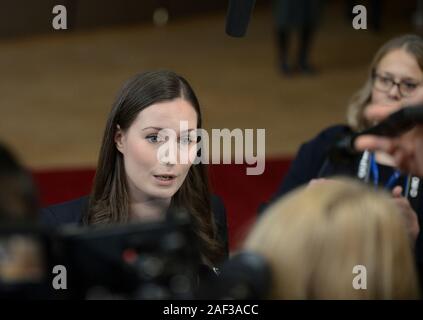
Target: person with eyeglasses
394, 78
385, 83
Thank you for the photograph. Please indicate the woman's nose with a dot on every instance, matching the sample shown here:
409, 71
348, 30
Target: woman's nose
168, 154
395, 93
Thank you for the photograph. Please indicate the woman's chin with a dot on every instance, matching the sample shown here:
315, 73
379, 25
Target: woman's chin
163, 194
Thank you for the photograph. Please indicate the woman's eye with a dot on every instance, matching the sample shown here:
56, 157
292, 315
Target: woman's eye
410, 85
185, 140
386, 80
154, 138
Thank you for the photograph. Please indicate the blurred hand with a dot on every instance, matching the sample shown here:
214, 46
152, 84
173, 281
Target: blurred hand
375, 113
408, 212
406, 149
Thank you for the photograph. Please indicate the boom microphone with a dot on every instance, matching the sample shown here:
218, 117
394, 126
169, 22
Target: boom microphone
238, 17
396, 124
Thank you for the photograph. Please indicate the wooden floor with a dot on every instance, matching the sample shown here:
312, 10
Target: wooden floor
56, 90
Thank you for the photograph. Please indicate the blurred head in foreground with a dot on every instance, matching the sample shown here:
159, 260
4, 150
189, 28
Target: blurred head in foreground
314, 238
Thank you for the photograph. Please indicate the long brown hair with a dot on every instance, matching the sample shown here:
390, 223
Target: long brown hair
412, 44
109, 200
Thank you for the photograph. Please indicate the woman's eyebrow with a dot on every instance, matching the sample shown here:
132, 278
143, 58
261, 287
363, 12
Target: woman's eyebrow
386, 73
155, 128
159, 129
409, 79
389, 74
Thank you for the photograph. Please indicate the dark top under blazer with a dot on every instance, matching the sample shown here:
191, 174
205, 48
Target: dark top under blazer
72, 212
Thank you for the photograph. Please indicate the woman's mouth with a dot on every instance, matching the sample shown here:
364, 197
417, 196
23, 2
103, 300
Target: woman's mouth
164, 179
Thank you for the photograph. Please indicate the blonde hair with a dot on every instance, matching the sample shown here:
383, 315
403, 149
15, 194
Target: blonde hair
315, 236
412, 44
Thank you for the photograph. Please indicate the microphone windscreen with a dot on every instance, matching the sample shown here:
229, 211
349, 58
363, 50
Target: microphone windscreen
238, 17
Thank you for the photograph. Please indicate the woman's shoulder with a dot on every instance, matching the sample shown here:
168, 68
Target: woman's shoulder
219, 215
329, 134
69, 212
317, 147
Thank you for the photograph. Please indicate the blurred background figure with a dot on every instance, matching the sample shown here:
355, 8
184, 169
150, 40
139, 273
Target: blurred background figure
18, 196
22, 264
314, 237
295, 17
417, 17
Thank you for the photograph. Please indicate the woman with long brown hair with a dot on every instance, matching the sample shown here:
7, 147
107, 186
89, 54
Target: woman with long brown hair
133, 182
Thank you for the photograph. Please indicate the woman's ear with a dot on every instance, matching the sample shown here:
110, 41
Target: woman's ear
119, 136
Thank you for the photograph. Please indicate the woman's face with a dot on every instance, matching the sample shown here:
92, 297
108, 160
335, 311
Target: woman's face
150, 175
400, 67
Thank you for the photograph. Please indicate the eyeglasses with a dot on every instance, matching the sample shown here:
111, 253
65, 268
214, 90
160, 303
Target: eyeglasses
385, 84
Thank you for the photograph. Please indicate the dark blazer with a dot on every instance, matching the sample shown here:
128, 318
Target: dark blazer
311, 162
72, 212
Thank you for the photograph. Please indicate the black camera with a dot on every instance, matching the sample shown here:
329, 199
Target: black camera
131, 261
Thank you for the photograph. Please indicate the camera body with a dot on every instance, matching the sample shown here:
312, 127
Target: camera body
132, 261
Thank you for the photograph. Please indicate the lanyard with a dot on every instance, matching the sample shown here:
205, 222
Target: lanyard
392, 179
368, 167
